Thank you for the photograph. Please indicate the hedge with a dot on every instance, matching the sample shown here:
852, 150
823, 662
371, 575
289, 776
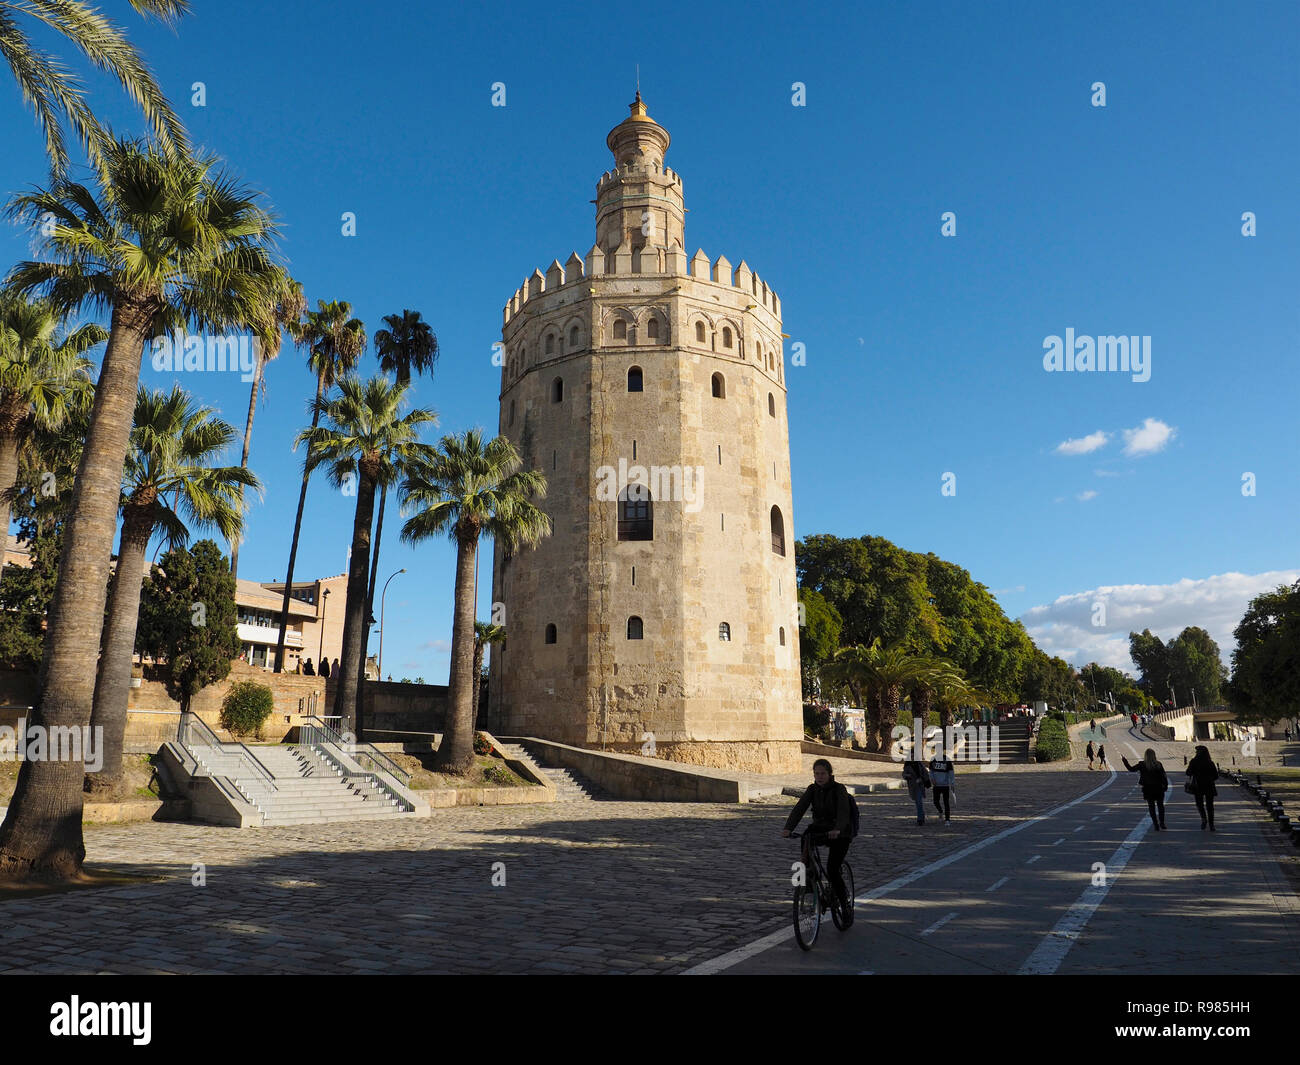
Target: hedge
1053, 741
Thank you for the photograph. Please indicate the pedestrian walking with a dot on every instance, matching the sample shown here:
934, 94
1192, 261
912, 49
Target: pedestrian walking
943, 775
1091, 755
918, 782
1154, 782
1092, 724
1101, 756
1201, 775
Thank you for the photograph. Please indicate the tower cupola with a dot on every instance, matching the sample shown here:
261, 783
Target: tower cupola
639, 202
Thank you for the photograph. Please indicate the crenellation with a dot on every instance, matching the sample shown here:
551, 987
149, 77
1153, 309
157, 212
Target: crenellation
701, 267
554, 275
722, 271
536, 284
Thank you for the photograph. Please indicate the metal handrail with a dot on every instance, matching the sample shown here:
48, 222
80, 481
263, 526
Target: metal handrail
348, 773
313, 726
211, 739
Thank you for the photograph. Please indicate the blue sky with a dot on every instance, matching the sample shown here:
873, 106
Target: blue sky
924, 352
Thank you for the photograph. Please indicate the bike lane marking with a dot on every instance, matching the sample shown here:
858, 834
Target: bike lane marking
939, 923
758, 946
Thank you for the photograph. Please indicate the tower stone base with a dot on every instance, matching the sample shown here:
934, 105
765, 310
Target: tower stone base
745, 756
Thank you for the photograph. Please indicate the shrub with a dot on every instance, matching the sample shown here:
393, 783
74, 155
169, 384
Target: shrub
1053, 741
816, 719
498, 774
482, 744
246, 707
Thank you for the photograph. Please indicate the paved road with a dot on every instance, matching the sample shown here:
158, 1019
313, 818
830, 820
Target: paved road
1030, 899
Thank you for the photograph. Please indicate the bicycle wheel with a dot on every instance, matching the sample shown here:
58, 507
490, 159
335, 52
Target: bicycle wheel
844, 918
807, 915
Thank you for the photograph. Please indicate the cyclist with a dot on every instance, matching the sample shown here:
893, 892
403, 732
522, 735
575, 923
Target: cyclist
831, 823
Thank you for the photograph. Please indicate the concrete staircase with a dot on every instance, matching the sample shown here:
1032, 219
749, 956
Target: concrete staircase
1013, 741
570, 785
306, 789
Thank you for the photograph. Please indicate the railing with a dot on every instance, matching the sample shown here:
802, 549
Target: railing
315, 732
194, 734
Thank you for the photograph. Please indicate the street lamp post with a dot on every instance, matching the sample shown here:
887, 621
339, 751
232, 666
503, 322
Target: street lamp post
324, 606
381, 622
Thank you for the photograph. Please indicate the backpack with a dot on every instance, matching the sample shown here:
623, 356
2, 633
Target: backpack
855, 818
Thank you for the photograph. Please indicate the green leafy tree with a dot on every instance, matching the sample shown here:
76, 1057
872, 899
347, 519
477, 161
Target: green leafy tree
366, 442
1265, 685
165, 240
1195, 667
334, 341
246, 707
172, 483
188, 619
55, 93
1151, 657
25, 596
819, 638
471, 489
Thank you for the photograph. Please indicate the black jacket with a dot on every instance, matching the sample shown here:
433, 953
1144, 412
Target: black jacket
1154, 782
1204, 773
830, 808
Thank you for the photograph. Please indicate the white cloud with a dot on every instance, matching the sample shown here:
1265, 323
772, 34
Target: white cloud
1084, 444
1151, 436
1064, 627
1083, 497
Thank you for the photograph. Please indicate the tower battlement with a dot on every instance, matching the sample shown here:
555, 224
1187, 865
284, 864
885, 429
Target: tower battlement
656, 261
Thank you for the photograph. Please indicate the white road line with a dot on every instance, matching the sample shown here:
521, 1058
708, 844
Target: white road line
735, 957
1049, 953
994, 886
939, 923
1059, 841
1080, 828
1033, 859
866, 972
1094, 818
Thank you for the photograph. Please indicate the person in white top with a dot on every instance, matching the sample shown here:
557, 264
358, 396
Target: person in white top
943, 775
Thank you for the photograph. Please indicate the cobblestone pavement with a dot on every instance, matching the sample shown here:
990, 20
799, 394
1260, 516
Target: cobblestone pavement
597, 887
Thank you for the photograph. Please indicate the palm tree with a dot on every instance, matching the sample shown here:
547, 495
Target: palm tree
55, 94
891, 670
42, 376
470, 489
485, 633
334, 341
408, 345
166, 241
366, 440
286, 311
173, 446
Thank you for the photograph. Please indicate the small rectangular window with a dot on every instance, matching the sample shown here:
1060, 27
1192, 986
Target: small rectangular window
633, 576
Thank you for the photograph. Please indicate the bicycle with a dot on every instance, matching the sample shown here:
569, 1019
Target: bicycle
813, 899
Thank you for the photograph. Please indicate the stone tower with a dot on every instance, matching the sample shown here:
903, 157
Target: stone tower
661, 614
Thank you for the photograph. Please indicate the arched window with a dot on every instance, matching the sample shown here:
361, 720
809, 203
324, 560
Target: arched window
557, 390
550, 343
634, 381
726, 336
781, 635
636, 520
635, 630
724, 632
511, 421
652, 329
719, 387
574, 336
699, 332
620, 329
550, 633
778, 532
771, 404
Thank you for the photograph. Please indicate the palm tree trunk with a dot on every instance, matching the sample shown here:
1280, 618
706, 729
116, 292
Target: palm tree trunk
351, 666
113, 685
293, 548
8, 477
370, 601
456, 752
478, 686
243, 462
889, 718
41, 835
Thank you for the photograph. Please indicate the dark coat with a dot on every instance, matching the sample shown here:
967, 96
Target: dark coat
1203, 773
1154, 782
830, 808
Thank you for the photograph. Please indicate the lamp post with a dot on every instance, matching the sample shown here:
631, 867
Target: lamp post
381, 622
324, 606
